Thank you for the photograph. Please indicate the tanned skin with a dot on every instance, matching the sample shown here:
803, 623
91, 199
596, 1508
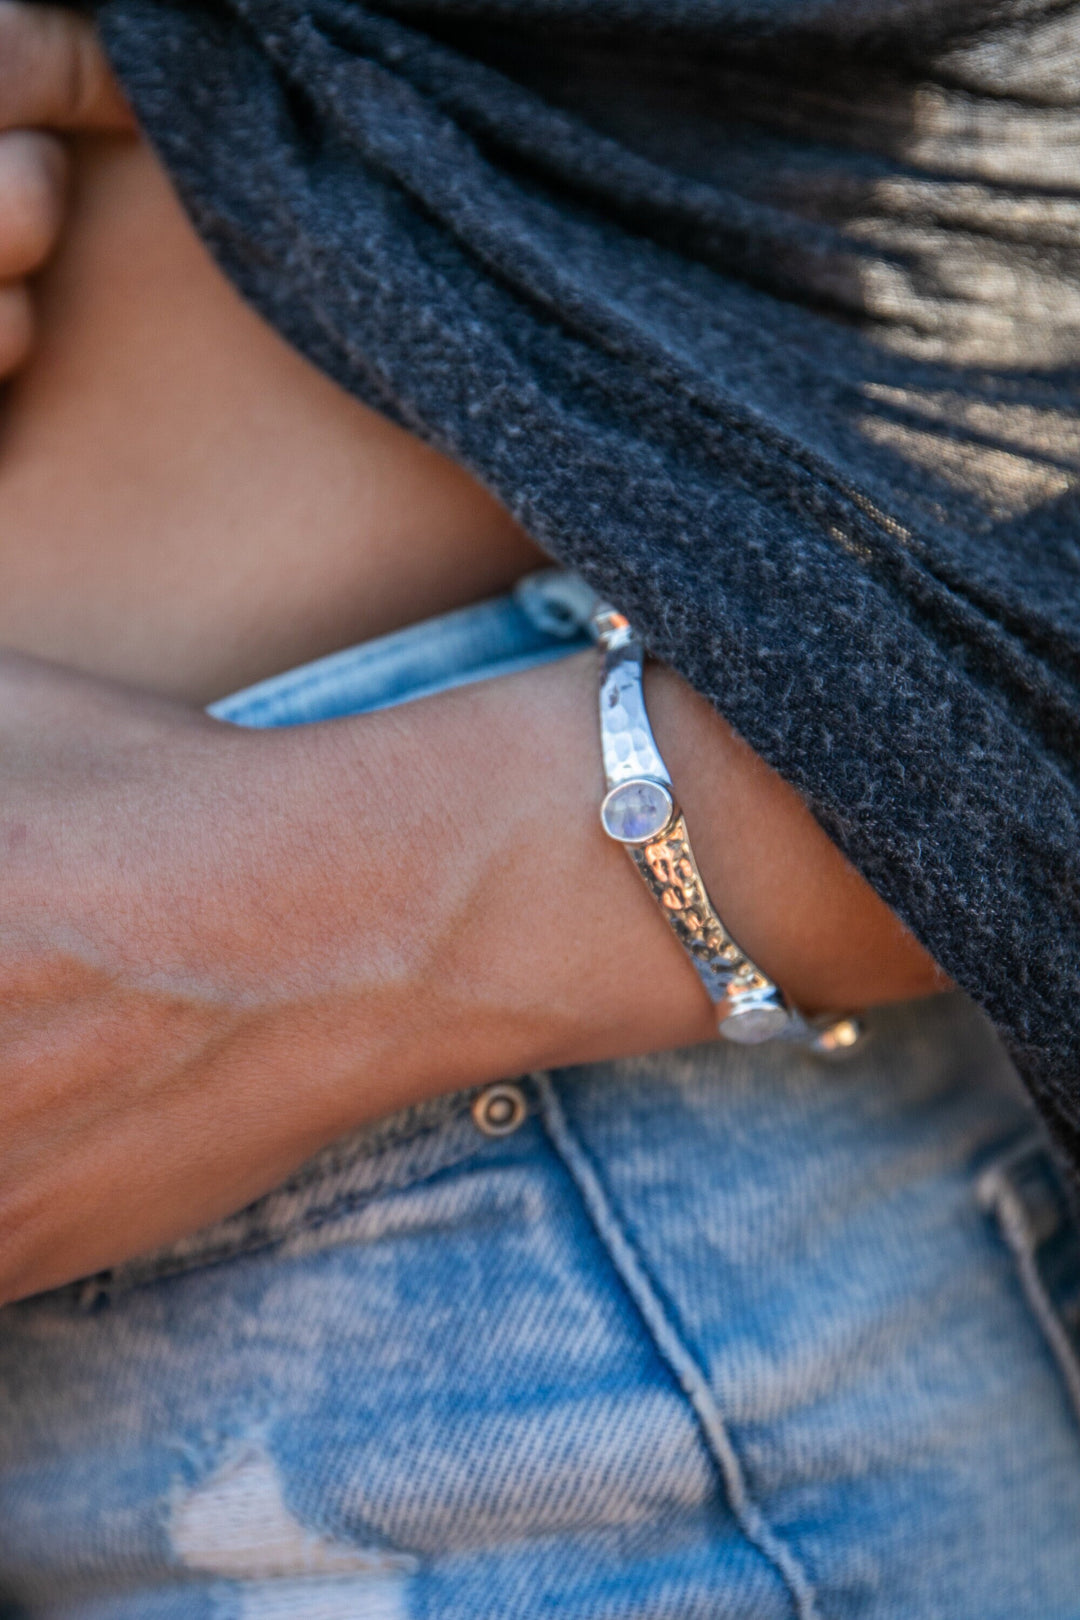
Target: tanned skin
220, 949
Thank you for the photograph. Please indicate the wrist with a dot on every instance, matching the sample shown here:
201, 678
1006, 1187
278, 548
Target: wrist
485, 925
589, 942
541, 947
479, 894
783, 888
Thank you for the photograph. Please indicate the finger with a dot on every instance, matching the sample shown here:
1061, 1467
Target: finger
16, 326
33, 184
53, 72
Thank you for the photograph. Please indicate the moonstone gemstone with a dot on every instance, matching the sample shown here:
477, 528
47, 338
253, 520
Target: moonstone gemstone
753, 1025
636, 811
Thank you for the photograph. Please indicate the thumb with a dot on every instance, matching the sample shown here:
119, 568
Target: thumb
54, 73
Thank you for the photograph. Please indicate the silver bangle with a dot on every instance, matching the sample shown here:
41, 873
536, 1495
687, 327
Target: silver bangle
640, 811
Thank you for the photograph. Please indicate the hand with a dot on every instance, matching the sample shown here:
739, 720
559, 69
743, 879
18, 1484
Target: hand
53, 78
220, 949
171, 1014
180, 1020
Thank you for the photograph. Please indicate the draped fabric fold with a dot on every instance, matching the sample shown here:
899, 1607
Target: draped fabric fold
764, 315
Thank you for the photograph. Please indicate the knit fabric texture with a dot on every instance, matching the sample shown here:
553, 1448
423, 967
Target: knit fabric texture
762, 314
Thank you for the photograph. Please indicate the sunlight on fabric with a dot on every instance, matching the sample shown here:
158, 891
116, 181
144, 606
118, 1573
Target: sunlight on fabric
986, 448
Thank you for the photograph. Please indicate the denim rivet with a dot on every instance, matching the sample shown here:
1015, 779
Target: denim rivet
499, 1110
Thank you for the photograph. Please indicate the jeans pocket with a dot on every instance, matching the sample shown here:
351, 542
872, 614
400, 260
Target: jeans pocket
396, 1153
1026, 1193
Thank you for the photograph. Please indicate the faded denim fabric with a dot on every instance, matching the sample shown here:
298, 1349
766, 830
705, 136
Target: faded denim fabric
739, 1333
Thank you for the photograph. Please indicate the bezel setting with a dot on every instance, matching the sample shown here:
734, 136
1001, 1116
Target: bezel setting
749, 1022
635, 824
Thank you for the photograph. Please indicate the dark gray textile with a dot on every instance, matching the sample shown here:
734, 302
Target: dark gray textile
765, 314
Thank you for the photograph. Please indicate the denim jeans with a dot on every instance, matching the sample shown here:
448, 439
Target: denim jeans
727, 1332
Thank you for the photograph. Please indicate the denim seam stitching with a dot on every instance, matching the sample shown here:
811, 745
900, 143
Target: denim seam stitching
669, 1344
391, 1140
262, 1238
996, 1192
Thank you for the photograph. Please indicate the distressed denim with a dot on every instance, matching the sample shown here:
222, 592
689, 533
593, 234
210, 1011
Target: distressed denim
739, 1333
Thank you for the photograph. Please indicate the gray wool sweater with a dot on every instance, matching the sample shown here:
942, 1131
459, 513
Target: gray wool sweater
762, 314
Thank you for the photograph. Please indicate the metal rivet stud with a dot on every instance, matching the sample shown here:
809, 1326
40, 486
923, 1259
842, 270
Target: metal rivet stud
499, 1110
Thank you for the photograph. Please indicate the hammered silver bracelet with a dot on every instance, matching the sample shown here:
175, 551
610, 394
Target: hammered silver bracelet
640, 812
